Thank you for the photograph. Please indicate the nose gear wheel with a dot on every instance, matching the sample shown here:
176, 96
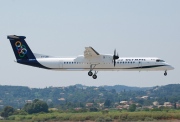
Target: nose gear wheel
165, 73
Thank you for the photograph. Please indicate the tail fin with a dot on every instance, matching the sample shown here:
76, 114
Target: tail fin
20, 47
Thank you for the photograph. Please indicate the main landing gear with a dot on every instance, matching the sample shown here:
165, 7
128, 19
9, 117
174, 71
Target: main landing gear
94, 76
90, 73
165, 73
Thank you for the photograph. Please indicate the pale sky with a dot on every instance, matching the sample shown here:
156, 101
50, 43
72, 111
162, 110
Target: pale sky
142, 28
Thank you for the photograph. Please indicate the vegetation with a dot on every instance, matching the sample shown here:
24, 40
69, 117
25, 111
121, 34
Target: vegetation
81, 103
132, 107
36, 107
8, 110
107, 103
78, 95
99, 116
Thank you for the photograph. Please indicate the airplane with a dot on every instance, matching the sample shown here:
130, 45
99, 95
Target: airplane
90, 61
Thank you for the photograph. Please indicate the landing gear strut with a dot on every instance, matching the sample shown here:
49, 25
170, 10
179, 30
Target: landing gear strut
165, 73
92, 66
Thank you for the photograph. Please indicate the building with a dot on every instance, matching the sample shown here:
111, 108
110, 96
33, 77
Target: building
89, 104
155, 103
124, 102
167, 104
28, 101
144, 97
1, 118
119, 107
61, 99
101, 104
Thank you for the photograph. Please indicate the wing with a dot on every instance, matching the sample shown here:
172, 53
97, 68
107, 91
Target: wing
90, 52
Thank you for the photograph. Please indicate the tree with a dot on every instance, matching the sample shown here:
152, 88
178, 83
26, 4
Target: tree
175, 106
93, 109
36, 107
40, 106
8, 110
132, 108
107, 103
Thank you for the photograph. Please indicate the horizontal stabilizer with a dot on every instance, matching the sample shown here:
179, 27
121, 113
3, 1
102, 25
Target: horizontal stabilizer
41, 55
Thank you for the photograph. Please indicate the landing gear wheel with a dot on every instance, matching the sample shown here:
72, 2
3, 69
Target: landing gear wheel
165, 73
90, 73
94, 76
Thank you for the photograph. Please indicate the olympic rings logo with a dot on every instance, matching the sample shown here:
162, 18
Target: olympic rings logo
22, 51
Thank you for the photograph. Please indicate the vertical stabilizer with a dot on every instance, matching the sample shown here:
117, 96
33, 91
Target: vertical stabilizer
20, 47
22, 51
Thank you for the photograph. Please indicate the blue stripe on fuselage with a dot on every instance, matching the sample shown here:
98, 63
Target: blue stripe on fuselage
32, 62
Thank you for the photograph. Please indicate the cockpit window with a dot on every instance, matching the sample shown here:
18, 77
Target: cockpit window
158, 60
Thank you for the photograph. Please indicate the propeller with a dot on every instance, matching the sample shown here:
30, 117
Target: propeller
115, 57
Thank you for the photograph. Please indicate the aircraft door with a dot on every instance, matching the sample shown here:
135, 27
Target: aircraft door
61, 64
140, 65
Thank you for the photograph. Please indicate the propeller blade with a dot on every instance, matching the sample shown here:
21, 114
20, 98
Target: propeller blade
115, 56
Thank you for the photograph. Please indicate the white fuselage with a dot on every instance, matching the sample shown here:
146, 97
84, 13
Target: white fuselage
104, 63
90, 61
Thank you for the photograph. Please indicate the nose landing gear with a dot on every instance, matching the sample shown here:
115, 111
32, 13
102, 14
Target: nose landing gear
165, 73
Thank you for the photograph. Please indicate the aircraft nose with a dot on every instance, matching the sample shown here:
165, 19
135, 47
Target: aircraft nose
171, 67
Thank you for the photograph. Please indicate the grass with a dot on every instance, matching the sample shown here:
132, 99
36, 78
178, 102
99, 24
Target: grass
99, 116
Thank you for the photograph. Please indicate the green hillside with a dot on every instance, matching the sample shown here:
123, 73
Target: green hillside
79, 95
